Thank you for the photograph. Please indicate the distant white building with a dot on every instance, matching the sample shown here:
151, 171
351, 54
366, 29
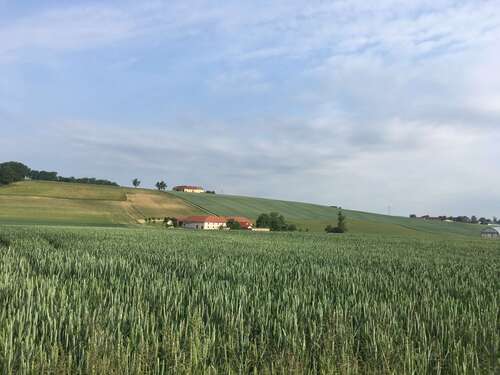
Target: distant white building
208, 222
491, 232
189, 189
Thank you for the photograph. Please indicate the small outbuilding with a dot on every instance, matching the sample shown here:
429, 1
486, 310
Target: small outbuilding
491, 232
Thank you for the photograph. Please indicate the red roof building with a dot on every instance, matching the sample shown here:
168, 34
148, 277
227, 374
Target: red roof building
244, 222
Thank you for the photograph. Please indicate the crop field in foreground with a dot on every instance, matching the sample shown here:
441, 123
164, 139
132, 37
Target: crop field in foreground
104, 301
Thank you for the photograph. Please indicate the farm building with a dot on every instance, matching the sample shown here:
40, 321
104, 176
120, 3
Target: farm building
491, 232
208, 222
189, 189
244, 222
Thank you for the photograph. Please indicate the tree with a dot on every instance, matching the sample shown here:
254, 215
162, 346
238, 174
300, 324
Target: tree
341, 225
161, 185
263, 221
136, 182
484, 221
341, 222
413, 216
277, 222
13, 171
233, 224
44, 175
473, 219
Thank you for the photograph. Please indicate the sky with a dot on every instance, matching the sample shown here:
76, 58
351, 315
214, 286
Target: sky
387, 106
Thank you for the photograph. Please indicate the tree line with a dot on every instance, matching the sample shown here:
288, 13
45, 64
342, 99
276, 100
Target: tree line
460, 219
14, 171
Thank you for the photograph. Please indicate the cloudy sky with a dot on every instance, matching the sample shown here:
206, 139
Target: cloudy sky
349, 102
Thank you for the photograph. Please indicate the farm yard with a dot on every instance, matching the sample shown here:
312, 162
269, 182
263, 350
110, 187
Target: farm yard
111, 300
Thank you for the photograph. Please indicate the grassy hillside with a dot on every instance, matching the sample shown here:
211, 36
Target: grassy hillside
42, 202
316, 217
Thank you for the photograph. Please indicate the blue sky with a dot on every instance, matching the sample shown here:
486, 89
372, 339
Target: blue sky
338, 102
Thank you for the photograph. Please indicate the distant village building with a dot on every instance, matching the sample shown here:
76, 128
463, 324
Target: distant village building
208, 222
491, 232
189, 189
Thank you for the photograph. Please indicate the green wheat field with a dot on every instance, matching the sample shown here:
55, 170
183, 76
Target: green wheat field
131, 301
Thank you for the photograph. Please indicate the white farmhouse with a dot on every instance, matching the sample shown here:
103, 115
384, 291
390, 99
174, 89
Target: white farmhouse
189, 189
208, 222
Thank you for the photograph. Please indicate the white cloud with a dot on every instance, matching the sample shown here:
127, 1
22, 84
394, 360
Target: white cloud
397, 101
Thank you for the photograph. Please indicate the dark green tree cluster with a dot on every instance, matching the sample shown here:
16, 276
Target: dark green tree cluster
161, 185
87, 180
341, 224
13, 171
275, 222
44, 175
233, 224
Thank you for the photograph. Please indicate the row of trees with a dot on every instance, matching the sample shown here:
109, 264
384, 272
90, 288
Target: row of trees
460, 219
14, 171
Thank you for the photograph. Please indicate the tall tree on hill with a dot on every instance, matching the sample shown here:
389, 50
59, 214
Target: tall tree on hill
161, 185
136, 182
341, 222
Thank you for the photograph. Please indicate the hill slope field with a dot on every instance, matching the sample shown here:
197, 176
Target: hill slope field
57, 203
316, 217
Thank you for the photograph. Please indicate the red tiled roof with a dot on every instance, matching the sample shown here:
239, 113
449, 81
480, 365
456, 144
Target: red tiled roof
205, 219
240, 219
244, 222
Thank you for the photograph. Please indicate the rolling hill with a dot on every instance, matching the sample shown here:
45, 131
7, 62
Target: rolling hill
57, 203
316, 217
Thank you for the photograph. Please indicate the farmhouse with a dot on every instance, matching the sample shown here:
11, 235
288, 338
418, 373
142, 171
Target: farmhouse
208, 222
189, 189
244, 222
491, 232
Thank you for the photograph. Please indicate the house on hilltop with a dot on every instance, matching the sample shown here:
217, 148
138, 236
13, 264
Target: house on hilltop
207, 222
189, 189
491, 232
